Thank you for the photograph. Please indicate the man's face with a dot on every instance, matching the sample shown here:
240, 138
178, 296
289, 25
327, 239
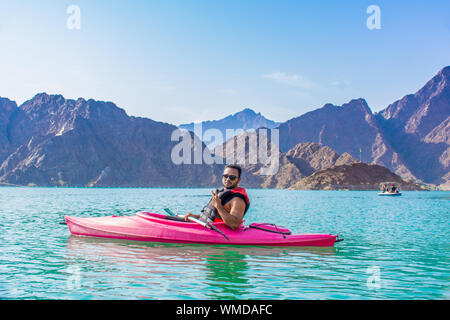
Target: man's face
227, 178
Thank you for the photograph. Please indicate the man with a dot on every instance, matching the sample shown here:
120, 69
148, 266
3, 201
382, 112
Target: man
229, 204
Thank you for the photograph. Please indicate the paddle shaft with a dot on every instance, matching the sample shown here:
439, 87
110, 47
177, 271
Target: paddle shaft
194, 220
205, 224
189, 218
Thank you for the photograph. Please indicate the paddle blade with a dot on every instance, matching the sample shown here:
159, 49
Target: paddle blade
169, 212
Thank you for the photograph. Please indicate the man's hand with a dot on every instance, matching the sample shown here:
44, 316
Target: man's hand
186, 217
215, 201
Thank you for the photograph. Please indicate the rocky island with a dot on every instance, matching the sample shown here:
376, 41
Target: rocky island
355, 176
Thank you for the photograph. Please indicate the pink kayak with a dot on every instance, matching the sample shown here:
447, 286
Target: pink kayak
153, 227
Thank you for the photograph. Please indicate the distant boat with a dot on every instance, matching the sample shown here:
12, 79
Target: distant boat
391, 189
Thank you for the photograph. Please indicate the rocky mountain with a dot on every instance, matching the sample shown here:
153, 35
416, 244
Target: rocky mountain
51, 141
246, 119
418, 127
355, 176
299, 162
7, 108
302, 161
350, 128
410, 137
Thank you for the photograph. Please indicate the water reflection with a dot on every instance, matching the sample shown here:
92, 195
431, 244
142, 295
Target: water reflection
164, 252
223, 271
227, 273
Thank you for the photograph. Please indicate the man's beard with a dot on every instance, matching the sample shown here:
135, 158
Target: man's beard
231, 186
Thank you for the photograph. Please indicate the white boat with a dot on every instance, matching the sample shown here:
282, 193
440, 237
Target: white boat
391, 189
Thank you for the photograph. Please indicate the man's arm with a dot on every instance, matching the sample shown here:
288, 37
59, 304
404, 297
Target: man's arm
232, 219
187, 215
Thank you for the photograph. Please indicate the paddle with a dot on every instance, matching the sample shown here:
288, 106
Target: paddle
205, 224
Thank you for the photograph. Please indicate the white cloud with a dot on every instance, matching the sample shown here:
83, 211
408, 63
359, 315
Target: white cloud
293, 80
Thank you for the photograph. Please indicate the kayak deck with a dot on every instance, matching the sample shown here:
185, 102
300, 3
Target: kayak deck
152, 227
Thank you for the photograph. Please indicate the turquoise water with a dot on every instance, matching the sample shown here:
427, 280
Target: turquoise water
394, 248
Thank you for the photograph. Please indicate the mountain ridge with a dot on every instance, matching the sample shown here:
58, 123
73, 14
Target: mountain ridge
246, 119
59, 142
418, 127
48, 138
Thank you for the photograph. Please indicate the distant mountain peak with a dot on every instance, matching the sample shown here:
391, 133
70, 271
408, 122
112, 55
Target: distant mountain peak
43, 96
423, 110
435, 85
43, 101
445, 72
246, 119
359, 103
7, 103
247, 111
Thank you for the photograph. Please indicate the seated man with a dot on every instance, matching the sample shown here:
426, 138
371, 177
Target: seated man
228, 204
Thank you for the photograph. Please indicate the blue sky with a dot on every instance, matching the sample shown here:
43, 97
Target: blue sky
183, 61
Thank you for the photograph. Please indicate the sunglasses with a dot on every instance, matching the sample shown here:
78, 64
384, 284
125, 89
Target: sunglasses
231, 177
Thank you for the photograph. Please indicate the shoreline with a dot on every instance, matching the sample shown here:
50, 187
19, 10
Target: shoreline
213, 187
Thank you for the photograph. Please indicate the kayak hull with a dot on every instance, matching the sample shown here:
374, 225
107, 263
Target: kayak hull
151, 227
387, 194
